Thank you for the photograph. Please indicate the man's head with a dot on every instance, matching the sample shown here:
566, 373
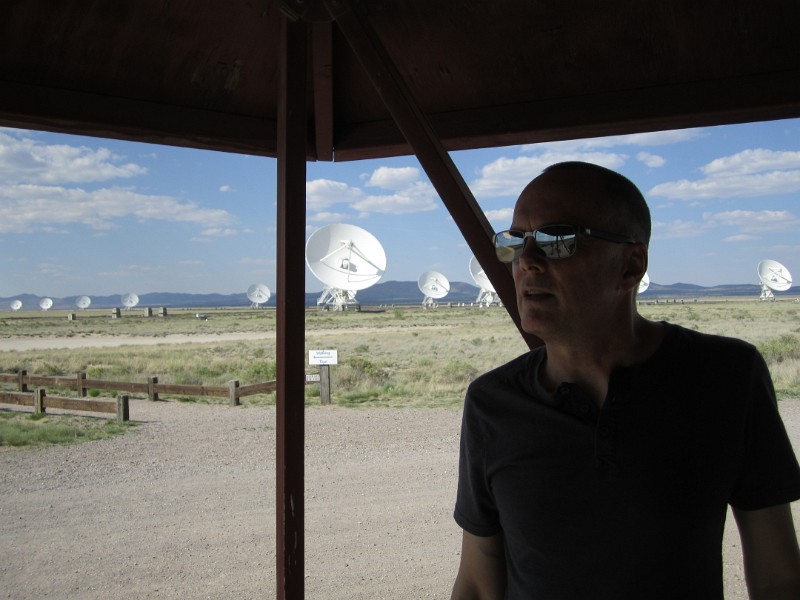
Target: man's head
624, 202
585, 230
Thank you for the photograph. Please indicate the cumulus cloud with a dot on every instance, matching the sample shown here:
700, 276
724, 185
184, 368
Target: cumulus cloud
28, 208
218, 232
651, 160
502, 216
409, 194
392, 178
652, 138
754, 221
24, 159
324, 193
747, 174
507, 176
325, 216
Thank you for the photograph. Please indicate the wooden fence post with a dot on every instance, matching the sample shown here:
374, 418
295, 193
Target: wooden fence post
233, 392
325, 384
81, 385
123, 412
38, 400
152, 395
23, 385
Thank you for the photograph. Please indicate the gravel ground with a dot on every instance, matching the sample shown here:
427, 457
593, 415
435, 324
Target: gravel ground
184, 507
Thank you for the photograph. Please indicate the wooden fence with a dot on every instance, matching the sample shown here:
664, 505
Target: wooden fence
81, 384
40, 402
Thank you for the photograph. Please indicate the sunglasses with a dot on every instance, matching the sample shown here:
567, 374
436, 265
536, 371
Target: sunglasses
554, 241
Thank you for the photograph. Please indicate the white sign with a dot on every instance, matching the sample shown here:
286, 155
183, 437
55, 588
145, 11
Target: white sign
311, 377
322, 357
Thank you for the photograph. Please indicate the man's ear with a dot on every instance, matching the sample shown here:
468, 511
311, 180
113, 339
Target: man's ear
634, 266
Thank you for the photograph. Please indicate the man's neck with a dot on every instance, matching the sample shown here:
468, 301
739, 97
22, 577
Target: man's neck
588, 362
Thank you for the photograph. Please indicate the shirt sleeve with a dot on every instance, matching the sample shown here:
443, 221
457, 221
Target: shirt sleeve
770, 474
475, 509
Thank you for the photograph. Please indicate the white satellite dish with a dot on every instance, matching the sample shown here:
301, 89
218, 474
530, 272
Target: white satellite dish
773, 276
16, 304
487, 295
83, 302
346, 259
130, 300
45, 303
258, 294
434, 285
644, 283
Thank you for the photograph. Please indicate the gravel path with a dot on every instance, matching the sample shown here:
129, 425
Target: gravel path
184, 507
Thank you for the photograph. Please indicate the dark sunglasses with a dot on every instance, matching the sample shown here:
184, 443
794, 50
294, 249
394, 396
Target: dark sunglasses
554, 241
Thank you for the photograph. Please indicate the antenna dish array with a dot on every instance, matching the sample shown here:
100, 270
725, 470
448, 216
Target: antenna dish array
16, 304
346, 259
258, 294
83, 302
773, 276
130, 300
45, 303
644, 284
434, 285
487, 296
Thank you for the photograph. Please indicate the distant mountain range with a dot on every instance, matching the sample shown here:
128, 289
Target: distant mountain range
386, 293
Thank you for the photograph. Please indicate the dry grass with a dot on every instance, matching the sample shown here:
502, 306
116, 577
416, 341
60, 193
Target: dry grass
396, 357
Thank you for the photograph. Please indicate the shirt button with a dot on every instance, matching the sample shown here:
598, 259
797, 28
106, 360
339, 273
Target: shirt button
604, 432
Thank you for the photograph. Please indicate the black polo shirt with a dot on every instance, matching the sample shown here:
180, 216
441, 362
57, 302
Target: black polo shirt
628, 500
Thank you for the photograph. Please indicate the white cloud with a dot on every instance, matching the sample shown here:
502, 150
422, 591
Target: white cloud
26, 160
324, 216
225, 189
753, 161
29, 208
747, 174
750, 221
651, 138
679, 229
508, 176
218, 232
742, 237
420, 197
500, 215
651, 160
392, 178
324, 193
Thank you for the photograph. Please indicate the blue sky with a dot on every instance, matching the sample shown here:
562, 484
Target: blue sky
82, 215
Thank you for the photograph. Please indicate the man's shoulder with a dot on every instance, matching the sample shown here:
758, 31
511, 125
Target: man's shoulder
513, 372
683, 339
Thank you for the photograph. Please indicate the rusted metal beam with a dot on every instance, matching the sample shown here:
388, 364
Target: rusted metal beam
290, 326
441, 169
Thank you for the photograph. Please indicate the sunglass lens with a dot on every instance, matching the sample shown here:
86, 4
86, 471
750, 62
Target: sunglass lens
508, 245
558, 241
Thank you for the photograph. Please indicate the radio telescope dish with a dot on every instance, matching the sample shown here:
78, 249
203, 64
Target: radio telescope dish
16, 304
346, 259
130, 300
258, 294
434, 285
487, 295
83, 302
45, 303
773, 276
644, 283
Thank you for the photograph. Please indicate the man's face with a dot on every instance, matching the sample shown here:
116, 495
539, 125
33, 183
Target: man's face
568, 296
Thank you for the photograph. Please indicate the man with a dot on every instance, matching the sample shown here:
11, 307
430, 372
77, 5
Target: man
601, 464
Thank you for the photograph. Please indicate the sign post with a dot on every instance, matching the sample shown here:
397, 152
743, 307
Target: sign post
323, 358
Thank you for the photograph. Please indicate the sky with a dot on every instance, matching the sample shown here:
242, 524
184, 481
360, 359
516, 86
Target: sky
92, 216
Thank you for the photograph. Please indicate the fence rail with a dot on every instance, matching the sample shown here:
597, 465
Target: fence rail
233, 391
40, 402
